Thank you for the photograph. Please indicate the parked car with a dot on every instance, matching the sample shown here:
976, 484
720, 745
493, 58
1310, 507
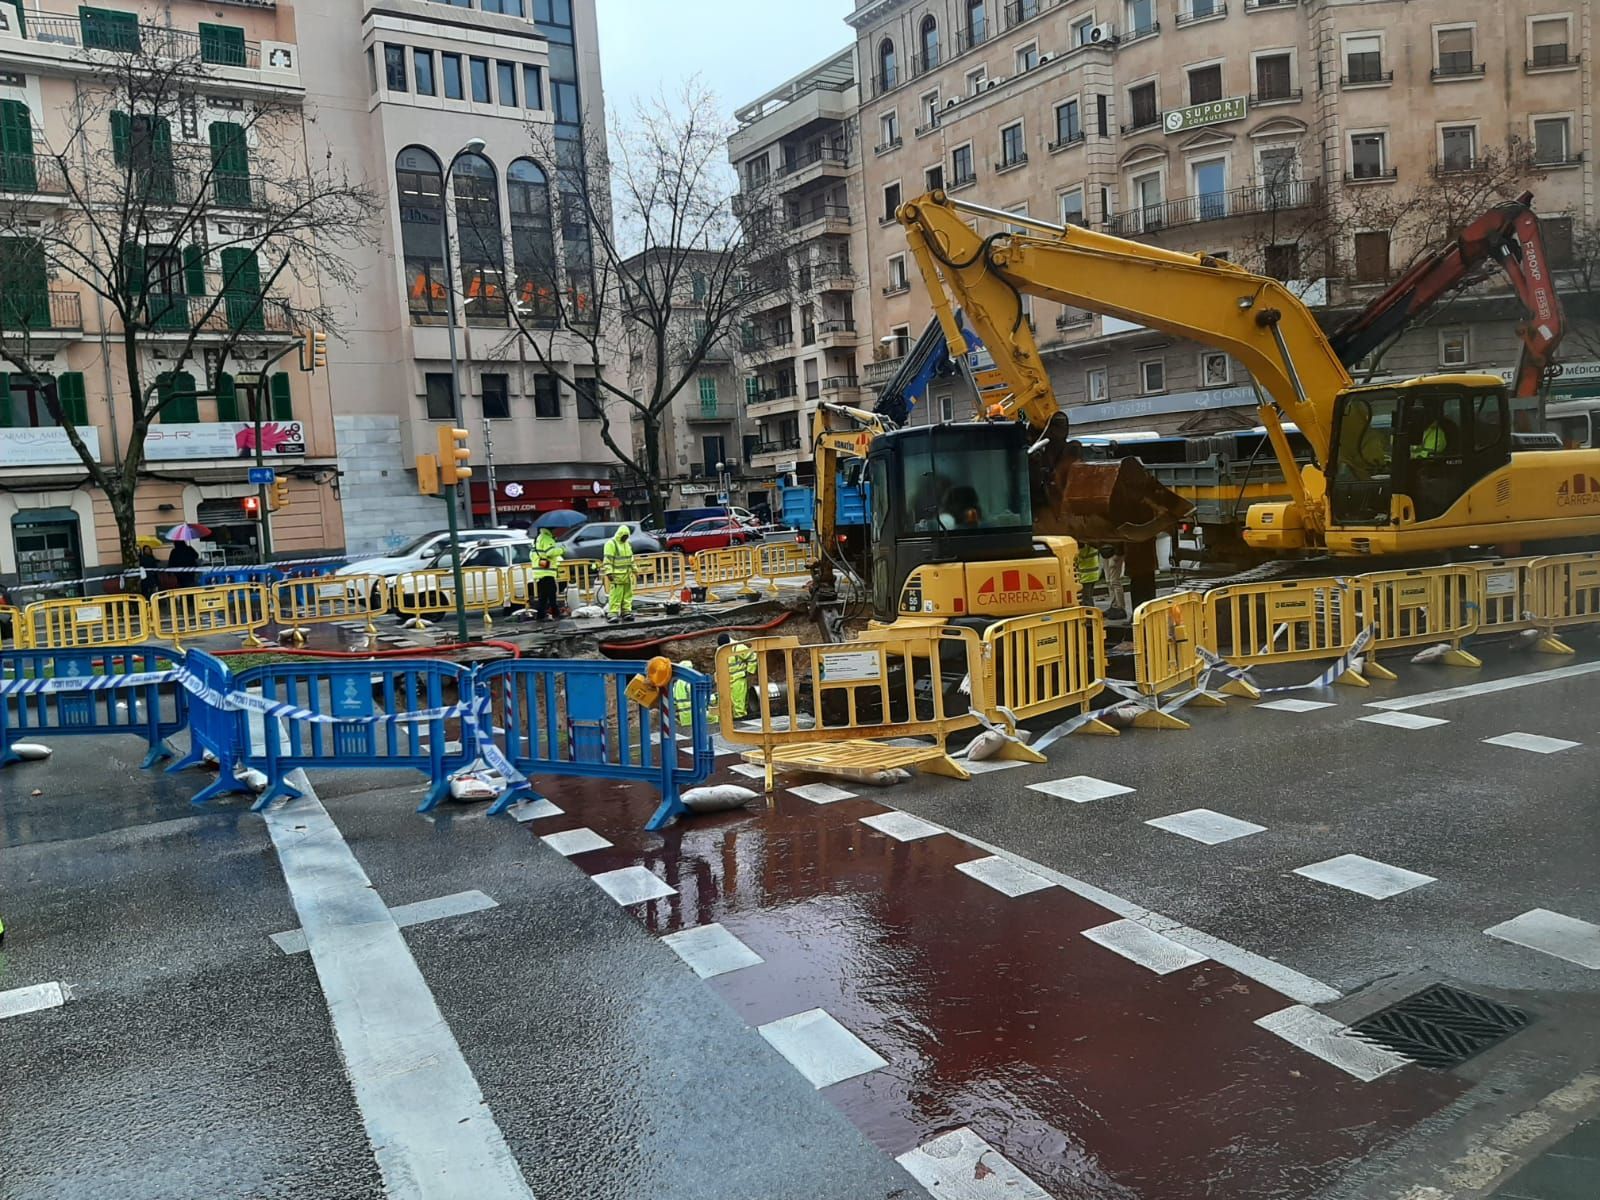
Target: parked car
418, 555
480, 591
589, 541
712, 533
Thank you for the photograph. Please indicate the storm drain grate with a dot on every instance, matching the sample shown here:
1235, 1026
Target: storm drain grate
1441, 1026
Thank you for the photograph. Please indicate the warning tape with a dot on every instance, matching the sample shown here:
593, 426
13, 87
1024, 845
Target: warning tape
1345, 661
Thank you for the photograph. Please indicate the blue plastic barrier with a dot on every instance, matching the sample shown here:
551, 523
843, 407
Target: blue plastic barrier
212, 726
89, 691
573, 719
380, 714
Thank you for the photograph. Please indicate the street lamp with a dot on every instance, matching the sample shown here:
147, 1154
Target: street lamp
473, 146
724, 485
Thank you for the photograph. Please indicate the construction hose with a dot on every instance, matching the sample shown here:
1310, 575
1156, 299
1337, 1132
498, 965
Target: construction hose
404, 652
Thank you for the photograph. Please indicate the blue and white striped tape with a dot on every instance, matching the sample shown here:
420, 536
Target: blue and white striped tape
1357, 649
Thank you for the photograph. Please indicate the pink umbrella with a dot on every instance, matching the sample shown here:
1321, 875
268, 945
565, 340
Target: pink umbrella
187, 533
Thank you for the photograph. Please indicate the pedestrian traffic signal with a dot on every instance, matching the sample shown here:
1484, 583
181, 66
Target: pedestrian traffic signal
313, 350
427, 474
278, 495
251, 506
454, 458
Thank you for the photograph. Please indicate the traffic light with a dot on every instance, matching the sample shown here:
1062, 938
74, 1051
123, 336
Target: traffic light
278, 495
454, 457
251, 506
313, 350
428, 474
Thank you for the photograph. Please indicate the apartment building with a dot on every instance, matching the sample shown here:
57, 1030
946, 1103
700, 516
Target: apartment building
800, 148
462, 112
1284, 135
202, 167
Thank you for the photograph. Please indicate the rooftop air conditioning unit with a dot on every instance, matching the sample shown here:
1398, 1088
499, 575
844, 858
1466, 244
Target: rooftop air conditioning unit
989, 85
1103, 34
1044, 58
952, 102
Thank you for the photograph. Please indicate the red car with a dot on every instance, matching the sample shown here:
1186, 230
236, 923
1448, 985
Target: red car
709, 533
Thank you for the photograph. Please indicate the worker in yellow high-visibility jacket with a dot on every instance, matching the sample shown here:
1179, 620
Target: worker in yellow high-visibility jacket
617, 567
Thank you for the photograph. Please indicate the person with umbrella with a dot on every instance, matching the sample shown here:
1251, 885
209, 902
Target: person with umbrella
546, 557
183, 559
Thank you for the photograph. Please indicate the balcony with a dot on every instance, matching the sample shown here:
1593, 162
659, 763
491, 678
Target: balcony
1020, 159
972, 37
921, 64
881, 370
897, 287
1199, 10
1140, 32
821, 219
834, 277
217, 316
32, 174
1066, 143
1141, 122
1371, 174
1268, 5
925, 130
45, 321
244, 193
86, 33
1260, 200
1074, 318
885, 81
840, 331
1022, 10
810, 165
712, 410
769, 346
1457, 64
1366, 76
1552, 58
888, 147
784, 392
840, 383
782, 445
961, 181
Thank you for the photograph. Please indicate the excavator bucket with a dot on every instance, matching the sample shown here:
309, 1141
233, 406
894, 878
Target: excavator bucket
1106, 502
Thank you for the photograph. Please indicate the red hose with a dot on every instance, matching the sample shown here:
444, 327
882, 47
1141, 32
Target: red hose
609, 647
402, 652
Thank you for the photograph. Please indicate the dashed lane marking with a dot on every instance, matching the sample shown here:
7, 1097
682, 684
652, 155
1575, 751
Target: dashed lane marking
1320, 1035
40, 996
710, 950
1404, 720
1365, 876
820, 1048
960, 1165
1145, 946
1537, 743
1207, 826
1485, 688
534, 810
1081, 789
822, 793
458, 904
1554, 934
902, 827
1295, 706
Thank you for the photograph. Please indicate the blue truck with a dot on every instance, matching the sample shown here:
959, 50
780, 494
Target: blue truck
800, 507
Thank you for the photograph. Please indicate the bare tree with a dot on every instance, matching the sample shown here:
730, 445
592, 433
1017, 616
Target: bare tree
201, 241
662, 256
1582, 299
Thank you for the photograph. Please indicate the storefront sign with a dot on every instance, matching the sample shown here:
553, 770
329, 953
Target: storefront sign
545, 495
44, 447
1565, 374
223, 439
1214, 113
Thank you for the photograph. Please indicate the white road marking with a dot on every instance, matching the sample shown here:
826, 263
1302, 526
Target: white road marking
1295, 706
988, 765
1004, 876
1319, 1034
1537, 743
1486, 688
960, 1165
575, 841
820, 1048
1552, 933
749, 770
430, 1128
36, 998
1206, 825
1081, 789
902, 827
633, 885
1366, 876
458, 904
822, 793
1404, 720
534, 810
711, 950
1144, 946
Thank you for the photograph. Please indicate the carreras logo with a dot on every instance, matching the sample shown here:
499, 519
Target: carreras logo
1581, 490
1006, 588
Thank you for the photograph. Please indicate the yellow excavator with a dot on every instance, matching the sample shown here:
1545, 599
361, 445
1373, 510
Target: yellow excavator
1406, 469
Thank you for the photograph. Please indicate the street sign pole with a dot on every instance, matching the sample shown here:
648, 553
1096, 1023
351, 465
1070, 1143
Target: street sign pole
488, 458
252, 386
455, 560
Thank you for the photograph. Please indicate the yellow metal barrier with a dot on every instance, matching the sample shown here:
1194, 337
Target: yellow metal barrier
724, 568
1047, 662
11, 616
111, 620
422, 594
580, 574
668, 573
1167, 635
211, 611
1419, 608
1502, 588
1257, 624
783, 560
297, 603
1566, 592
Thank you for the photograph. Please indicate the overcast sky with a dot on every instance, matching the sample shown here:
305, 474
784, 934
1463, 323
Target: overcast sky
741, 49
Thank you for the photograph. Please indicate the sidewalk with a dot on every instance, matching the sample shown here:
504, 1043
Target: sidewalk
1568, 1170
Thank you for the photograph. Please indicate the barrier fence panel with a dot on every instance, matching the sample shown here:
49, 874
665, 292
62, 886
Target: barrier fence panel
725, 569
213, 727
575, 719
113, 690
581, 574
666, 573
110, 620
1419, 608
783, 560
1303, 620
1047, 662
1566, 592
1167, 635
406, 714
297, 603
1502, 588
12, 627
422, 594
210, 611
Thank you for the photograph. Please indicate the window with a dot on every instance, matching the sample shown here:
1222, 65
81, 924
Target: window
230, 165
1072, 207
1147, 198
1102, 114
241, 288
587, 389
1372, 257
1455, 50
1201, 8
441, 392
480, 80
546, 397
1367, 156
103, 29
1274, 77
1363, 58
1280, 166
1028, 57
496, 394
933, 178
714, 452
506, 83
977, 30
1142, 106
898, 280
1558, 246
175, 394
930, 111
1095, 387
1216, 369
1550, 38
708, 393
1454, 347
511, 8
1141, 17
697, 286
1069, 128
947, 408
961, 166
532, 87
1153, 376
422, 70
1205, 84
890, 123
928, 39
891, 202
394, 68
900, 340
372, 71
480, 247
222, 44
450, 67
1011, 151
1552, 141
1081, 32
420, 184
1283, 261
1209, 186
1458, 147
976, 79
888, 66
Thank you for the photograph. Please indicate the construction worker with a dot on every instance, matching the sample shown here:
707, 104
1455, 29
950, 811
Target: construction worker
742, 671
682, 704
1088, 572
617, 568
546, 557
1433, 442
2, 931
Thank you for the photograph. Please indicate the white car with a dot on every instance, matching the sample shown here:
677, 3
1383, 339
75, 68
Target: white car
421, 554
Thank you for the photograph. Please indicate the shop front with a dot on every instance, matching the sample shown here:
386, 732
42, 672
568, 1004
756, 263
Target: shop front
522, 500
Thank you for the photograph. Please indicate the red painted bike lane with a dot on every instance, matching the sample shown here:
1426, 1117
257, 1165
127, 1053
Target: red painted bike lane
1091, 1073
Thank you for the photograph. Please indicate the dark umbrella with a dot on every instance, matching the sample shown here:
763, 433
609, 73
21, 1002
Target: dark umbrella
561, 518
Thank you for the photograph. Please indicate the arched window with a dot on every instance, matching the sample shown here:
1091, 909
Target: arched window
533, 249
929, 37
419, 182
888, 66
482, 245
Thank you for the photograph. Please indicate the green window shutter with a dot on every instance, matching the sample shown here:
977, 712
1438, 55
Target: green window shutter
17, 170
227, 399
222, 44
5, 400
24, 285
121, 138
282, 402
179, 406
104, 29
752, 390
194, 270
241, 288
134, 275
74, 403
230, 164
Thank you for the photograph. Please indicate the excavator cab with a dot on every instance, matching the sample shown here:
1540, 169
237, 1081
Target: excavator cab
946, 494
1424, 442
